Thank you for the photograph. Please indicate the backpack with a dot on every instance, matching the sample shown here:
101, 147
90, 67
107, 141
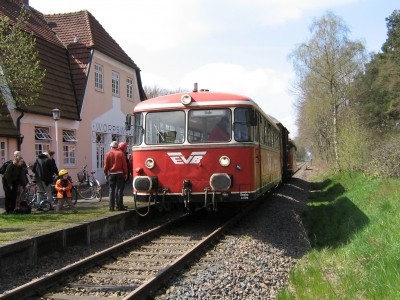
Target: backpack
22, 207
3, 168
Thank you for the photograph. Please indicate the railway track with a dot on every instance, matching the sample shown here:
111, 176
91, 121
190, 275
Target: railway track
135, 268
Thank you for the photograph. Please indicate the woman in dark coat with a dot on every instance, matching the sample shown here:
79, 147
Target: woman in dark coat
14, 180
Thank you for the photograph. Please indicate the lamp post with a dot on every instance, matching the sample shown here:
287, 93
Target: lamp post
56, 116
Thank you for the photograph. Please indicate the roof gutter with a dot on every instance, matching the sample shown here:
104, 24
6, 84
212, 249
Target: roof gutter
20, 139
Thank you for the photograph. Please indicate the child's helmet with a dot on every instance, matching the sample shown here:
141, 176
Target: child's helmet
63, 172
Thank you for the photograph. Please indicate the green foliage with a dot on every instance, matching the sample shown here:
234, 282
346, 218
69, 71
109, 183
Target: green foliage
353, 224
21, 76
354, 142
379, 86
385, 161
392, 44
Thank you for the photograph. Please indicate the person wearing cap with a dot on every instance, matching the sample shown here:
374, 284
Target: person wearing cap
116, 172
63, 187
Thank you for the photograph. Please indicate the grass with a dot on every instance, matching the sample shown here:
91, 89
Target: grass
17, 226
353, 224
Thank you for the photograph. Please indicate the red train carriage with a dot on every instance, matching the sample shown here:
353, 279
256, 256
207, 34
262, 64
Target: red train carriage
203, 149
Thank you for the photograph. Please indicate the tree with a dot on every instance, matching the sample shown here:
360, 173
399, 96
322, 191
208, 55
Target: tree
20, 72
325, 67
379, 85
392, 44
156, 91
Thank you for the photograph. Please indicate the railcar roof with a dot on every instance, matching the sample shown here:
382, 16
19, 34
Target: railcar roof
198, 99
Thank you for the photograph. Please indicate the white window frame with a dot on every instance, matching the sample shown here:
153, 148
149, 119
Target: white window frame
100, 150
98, 77
3, 147
129, 88
69, 154
115, 83
42, 140
69, 136
69, 147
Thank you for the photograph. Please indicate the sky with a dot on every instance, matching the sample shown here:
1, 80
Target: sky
234, 46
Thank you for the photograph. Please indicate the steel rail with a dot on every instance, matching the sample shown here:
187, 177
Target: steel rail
33, 287
151, 285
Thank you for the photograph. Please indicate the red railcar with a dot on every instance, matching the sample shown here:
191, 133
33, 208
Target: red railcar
203, 149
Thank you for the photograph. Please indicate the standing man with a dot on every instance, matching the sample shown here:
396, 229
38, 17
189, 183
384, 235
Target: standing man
116, 172
13, 183
44, 169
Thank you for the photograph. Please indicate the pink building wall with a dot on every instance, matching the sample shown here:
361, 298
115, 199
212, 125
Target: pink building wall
103, 114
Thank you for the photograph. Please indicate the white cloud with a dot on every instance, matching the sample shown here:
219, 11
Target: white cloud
265, 86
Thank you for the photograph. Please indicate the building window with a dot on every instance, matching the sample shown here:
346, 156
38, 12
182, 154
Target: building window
100, 150
129, 88
69, 147
116, 137
98, 77
69, 154
2, 152
42, 140
115, 83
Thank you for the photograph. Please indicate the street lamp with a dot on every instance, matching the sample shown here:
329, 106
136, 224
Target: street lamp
56, 116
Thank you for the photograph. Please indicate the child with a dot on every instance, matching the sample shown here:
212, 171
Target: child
63, 188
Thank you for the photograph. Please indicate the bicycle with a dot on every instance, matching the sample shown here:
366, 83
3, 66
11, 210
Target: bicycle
89, 187
34, 198
39, 200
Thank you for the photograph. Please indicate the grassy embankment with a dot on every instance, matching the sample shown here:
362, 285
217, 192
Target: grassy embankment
17, 226
354, 229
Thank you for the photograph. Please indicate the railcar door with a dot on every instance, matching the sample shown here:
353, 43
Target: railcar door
246, 128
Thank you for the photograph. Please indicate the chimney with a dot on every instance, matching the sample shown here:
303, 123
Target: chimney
26, 2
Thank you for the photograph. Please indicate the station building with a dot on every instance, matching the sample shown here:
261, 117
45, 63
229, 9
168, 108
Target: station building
89, 80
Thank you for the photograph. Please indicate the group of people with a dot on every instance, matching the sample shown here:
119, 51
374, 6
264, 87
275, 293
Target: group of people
15, 178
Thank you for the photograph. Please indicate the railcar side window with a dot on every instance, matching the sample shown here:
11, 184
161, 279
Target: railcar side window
137, 129
244, 118
210, 125
166, 127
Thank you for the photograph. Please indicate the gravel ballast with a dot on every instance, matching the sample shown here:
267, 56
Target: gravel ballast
255, 258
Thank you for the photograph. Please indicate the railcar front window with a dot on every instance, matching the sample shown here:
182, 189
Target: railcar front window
244, 132
209, 126
165, 128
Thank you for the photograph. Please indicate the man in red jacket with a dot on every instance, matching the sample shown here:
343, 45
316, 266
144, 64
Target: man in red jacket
116, 172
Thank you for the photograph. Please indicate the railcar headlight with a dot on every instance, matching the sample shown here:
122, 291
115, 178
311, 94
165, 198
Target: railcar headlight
224, 161
150, 163
186, 99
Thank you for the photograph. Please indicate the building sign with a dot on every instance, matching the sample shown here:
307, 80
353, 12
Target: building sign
110, 128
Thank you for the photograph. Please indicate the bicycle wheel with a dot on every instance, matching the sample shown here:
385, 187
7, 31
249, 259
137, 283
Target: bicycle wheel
45, 205
28, 193
75, 194
85, 190
98, 191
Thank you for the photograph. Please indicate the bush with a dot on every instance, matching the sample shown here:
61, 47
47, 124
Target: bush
386, 159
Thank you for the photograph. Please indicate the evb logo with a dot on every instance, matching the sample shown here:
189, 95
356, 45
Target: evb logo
193, 158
